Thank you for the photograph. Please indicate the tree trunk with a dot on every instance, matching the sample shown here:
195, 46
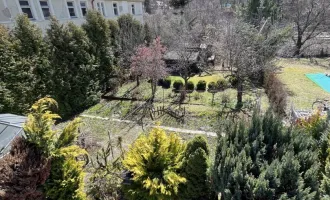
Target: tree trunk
298, 45
153, 90
137, 80
239, 103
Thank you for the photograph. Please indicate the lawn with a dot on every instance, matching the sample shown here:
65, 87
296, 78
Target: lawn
302, 91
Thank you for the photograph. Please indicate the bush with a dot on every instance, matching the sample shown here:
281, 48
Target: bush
160, 82
177, 85
212, 87
190, 86
255, 155
166, 84
159, 167
276, 93
222, 84
233, 81
201, 86
195, 170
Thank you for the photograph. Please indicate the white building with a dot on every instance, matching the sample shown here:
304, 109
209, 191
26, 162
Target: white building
39, 11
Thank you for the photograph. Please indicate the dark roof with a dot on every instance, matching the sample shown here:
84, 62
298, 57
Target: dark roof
173, 55
10, 127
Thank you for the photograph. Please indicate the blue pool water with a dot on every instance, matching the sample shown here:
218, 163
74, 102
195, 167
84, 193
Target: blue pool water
321, 80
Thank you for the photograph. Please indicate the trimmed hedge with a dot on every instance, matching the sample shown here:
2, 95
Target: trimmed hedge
177, 85
222, 84
166, 84
201, 86
190, 86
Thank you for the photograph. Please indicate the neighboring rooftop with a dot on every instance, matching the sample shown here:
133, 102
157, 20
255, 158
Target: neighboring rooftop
11, 126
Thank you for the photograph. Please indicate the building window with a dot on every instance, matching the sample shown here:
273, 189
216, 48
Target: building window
100, 8
26, 8
45, 8
133, 9
115, 9
71, 8
83, 6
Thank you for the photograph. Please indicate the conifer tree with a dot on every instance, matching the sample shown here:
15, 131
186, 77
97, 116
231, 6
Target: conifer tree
30, 46
264, 160
75, 85
66, 180
194, 169
98, 32
24, 65
154, 160
7, 62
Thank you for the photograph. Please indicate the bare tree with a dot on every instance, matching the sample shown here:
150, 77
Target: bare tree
309, 18
246, 51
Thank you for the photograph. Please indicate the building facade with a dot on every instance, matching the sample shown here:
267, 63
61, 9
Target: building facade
39, 11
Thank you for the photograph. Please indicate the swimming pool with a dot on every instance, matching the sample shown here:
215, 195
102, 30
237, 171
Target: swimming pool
321, 80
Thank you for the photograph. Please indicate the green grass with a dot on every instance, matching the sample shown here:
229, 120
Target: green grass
302, 91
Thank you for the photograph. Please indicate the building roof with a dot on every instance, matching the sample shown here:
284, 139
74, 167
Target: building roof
11, 126
173, 55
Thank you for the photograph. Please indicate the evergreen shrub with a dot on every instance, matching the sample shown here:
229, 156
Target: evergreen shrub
190, 86
166, 84
177, 85
201, 86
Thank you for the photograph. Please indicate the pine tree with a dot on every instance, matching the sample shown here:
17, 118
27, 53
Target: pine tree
98, 32
154, 161
194, 169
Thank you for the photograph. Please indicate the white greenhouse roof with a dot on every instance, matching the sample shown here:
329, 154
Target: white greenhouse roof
11, 126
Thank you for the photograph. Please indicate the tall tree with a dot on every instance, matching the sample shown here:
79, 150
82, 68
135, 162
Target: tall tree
154, 161
98, 32
246, 51
149, 64
309, 18
30, 45
75, 84
131, 36
25, 67
7, 63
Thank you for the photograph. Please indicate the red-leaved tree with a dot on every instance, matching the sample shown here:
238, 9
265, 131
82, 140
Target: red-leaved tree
148, 63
